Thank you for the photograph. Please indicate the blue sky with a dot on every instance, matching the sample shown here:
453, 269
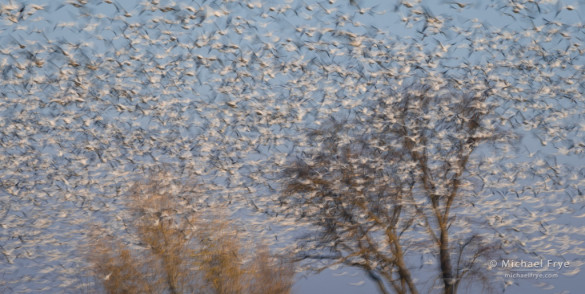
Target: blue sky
69, 147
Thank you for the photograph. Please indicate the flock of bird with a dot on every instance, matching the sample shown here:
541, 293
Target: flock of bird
96, 95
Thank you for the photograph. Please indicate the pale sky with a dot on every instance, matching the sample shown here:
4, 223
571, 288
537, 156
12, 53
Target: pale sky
340, 280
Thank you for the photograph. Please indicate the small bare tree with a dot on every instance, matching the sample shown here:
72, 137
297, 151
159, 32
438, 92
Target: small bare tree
115, 268
270, 275
184, 253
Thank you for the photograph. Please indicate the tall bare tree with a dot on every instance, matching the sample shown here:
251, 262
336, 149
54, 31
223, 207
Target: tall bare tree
393, 183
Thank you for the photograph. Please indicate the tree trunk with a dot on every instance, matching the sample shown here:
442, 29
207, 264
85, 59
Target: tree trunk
445, 259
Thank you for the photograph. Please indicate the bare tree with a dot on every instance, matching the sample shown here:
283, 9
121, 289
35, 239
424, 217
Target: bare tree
116, 269
184, 253
378, 195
